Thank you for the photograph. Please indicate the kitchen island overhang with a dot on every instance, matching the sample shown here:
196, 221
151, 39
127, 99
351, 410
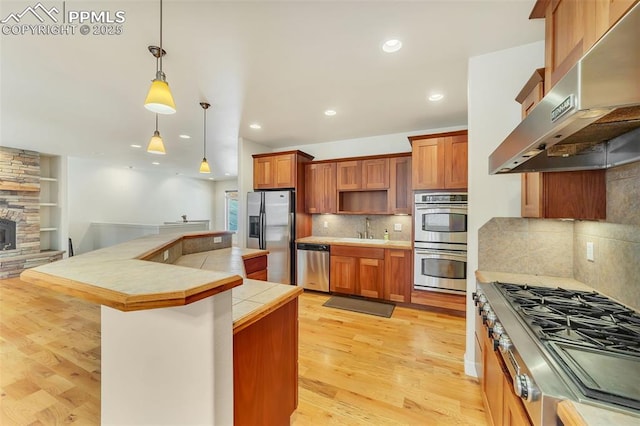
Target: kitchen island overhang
167, 330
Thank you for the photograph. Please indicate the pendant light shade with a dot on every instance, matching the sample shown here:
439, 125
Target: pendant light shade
159, 98
156, 146
204, 165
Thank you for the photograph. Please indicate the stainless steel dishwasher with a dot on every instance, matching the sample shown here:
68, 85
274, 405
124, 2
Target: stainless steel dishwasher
313, 266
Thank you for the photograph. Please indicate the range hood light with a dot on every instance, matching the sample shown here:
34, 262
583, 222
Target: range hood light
594, 113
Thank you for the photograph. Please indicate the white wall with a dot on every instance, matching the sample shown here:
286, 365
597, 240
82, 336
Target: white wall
221, 187
98, 192
373, 145
494, 81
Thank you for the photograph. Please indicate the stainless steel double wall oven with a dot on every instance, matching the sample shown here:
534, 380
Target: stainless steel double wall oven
440, 241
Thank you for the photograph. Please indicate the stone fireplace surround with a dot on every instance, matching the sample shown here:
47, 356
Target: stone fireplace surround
20, 203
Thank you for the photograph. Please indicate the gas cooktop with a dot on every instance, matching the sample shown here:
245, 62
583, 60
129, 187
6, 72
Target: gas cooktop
595, 340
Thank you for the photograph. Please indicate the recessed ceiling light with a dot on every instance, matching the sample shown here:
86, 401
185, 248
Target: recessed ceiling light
135, 146
436, 97
184, 136
330, 112
227, 174
392, 45
210, 178
255, 126
155, 163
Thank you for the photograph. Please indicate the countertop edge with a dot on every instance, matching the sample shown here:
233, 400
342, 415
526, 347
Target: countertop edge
336, 241
253, 317
124, 302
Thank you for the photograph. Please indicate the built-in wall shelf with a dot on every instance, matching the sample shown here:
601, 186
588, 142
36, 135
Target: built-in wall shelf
53, 230
48, 229
48, 179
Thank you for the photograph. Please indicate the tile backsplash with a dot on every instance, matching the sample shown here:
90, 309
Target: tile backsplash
348, 226
559, 248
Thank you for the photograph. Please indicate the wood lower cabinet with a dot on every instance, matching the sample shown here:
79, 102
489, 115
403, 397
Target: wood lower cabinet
265, 369
439, 161
320, 181
256, 268
372, 272
357, 271
398, 281
513, 412
343, 275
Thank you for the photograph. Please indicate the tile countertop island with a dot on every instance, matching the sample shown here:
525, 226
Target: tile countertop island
167, 324
337, 241
571, 413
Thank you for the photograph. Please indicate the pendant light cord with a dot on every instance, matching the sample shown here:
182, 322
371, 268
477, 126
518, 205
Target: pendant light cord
205, 133
161, 36
156, 122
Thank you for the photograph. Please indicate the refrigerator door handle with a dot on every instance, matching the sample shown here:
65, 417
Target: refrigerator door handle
261, 239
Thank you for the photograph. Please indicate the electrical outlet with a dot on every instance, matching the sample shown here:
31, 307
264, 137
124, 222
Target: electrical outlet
590, 251
325, 224
397, 227
165, 255
217, 239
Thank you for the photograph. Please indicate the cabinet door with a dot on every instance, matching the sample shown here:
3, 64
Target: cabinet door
427, 158
263, 173
284, 171
400, 195
397, 269
576, 195
342, 278
513, 413
349, 175
320, 184
371, 277
609, 12
455, 162
531, 198
375, 173
569, 32
493, 381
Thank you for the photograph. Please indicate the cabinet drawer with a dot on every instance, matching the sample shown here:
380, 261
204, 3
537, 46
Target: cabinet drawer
352, 251
255, 264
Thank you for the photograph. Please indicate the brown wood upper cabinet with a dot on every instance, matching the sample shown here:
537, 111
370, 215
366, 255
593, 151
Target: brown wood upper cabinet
321, 188
571, 28
278, 170
400, 195
362, 174
439, 161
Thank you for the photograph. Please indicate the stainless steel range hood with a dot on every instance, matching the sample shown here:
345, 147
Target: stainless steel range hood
591, 117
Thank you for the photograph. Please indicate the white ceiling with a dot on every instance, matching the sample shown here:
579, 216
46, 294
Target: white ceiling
280, 64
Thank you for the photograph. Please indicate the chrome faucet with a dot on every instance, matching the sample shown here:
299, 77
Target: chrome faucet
367, 225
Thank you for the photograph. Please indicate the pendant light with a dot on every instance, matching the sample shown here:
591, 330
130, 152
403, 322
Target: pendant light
159, 98
204, 166
155, 144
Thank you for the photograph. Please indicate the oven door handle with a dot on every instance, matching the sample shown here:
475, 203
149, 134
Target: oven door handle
442, 209
444, 254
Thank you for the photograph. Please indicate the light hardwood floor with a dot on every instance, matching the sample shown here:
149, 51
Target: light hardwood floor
354, 369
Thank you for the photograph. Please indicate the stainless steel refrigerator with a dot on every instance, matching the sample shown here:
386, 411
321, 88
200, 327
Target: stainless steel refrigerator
271, 226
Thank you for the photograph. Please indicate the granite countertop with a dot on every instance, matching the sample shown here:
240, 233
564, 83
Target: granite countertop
570, 412
112, 276
360, 242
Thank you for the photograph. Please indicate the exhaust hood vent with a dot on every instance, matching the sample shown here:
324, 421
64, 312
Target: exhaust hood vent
591, 117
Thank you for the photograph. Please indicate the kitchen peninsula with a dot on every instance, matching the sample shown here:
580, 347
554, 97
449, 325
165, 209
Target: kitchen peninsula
171, 332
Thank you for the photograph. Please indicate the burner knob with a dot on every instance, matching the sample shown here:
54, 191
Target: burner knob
491, 318
497, 330
477, 296
485, 312
524, 387
505, 343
